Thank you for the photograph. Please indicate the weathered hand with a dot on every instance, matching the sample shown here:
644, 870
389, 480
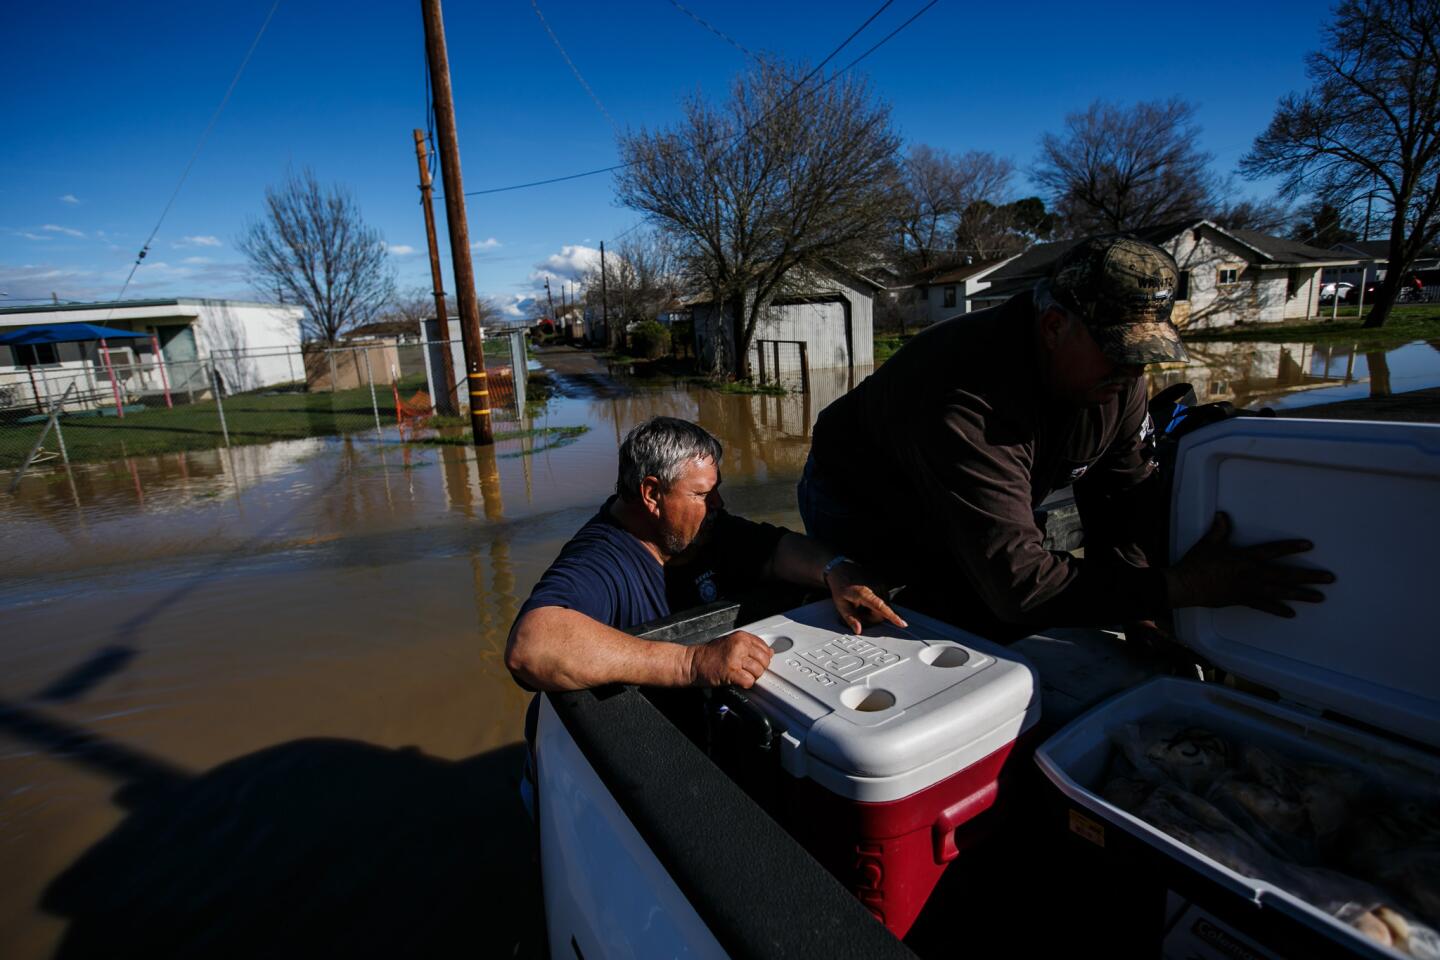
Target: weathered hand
858, 598
1217, 574
737, 658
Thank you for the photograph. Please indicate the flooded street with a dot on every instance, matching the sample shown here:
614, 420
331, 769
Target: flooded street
202, 618
224, 672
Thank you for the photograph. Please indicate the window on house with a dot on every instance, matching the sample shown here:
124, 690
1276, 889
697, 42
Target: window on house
35, 354
1182, 286
949, 296
1229, 275
924, 293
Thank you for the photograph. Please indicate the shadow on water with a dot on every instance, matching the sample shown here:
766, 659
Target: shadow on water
308, 847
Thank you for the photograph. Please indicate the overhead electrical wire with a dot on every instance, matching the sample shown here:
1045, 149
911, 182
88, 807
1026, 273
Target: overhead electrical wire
712, 28
200, 145
738, 137
573, 69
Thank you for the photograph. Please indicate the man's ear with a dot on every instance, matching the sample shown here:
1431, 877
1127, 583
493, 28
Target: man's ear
1053, 324
650, 491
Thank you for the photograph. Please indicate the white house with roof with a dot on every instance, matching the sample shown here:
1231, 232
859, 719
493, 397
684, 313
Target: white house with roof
1227, 276
250, 344
940, 292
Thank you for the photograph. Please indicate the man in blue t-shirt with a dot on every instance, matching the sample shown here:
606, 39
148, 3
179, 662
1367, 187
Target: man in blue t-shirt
663, 543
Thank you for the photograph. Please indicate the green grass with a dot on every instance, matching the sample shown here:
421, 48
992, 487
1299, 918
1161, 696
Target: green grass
886, 346
1406, 322
252, 418
547, 438
741, 387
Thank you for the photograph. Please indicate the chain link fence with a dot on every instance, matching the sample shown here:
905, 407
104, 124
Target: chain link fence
89, 410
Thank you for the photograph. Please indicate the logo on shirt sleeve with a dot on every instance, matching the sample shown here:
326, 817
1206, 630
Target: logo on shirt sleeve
705, 586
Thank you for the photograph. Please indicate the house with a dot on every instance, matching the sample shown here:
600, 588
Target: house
250, 344
1227, 276
832, 314
1374, 258
940, 292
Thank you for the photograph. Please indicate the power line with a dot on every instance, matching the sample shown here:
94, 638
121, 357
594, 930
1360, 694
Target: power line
831, 79
200, 145
713, 29
573, 69
886, 38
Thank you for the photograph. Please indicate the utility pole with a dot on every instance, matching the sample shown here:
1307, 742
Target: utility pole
464, 273
604, 301
447, 401
551, 300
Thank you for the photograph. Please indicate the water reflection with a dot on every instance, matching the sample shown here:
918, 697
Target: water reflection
1289, 375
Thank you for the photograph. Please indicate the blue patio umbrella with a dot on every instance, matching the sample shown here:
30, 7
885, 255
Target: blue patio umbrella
65, 333
73, 333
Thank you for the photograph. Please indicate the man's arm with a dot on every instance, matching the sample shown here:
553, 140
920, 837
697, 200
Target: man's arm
800, 560
1120, 497
979, 492
554, 648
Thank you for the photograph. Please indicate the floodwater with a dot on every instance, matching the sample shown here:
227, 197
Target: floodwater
257, 696
253, 701
1284, 376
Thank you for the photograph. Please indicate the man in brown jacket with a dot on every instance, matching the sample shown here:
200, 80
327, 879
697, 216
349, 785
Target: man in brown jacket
930, 470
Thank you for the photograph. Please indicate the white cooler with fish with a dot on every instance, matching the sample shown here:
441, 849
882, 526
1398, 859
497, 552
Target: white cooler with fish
890, 742
1311, 822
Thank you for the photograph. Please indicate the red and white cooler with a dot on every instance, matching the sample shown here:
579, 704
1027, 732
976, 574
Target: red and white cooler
890, 740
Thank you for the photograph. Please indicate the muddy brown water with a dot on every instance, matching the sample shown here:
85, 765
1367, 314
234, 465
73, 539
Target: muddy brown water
253, 701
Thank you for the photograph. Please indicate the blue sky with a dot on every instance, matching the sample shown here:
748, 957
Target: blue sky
104, 102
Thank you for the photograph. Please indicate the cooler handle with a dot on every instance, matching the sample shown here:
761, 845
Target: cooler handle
943, 832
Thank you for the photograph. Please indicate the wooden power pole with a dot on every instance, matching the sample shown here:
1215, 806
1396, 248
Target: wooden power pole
447, 402
449, 149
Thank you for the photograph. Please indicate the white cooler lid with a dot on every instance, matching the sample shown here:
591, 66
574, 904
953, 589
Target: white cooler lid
892, 711
1368, 496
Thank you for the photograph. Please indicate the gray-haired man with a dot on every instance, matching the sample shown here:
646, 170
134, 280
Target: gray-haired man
663, 543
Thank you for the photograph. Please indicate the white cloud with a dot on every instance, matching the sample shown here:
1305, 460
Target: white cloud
196, 260
71, 199
489, 243
519, 306
400, 249
35, 236
199, 242
68, 231
571, 263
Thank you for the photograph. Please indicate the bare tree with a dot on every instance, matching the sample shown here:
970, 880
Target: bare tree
781, 179
642, 279
1268, 216
946, 204
1115, 168
1368, 126
313, 245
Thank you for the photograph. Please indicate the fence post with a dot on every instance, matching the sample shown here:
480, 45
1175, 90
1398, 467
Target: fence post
374, 404
215, 385
290, 363
330, 352
52, 421
804, 368
760, 355
777, 363
522, 374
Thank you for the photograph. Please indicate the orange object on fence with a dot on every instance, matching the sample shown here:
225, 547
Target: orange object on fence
414, 413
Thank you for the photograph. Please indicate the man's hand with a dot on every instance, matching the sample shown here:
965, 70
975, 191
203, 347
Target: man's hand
858, 598
1216, 574
737, 658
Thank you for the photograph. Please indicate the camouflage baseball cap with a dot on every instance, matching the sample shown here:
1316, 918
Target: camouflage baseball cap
1123, 289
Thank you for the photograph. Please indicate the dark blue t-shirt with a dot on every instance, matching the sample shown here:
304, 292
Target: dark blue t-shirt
605, 573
